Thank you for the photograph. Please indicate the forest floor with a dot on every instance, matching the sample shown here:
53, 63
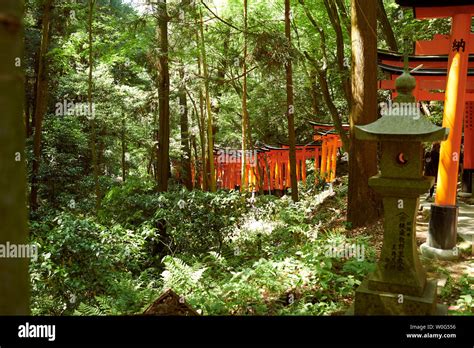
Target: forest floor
231, 254
452, 275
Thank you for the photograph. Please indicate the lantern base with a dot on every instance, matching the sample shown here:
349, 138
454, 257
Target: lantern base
370, 302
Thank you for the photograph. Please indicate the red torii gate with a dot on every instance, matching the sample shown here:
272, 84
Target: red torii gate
267, 167
279, 164
443, 223
330, 144
430, 80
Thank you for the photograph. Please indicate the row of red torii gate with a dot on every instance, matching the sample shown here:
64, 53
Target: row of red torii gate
267, 168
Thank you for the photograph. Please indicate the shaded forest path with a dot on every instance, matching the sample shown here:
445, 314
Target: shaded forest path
443, 270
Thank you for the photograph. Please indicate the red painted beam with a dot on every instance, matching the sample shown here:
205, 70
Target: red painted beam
442, 11
440, 45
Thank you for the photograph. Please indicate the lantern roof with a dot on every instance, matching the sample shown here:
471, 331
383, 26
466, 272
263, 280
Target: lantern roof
404, 121
401, 128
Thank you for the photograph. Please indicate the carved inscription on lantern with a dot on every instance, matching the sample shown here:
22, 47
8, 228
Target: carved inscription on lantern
396, 261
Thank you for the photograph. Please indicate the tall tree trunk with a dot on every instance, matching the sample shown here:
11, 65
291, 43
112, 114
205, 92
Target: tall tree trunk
164, 100
33, 89
202, 122
199, 121
290, 108
312, 82
95, 163
185, 140
14, 278
245, 114
210, 135
196, 182
154, 154
41, 101
386, 26
28, 125
163, 136
364, 206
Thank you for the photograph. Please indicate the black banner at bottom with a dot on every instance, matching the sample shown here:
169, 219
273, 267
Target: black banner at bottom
237, 331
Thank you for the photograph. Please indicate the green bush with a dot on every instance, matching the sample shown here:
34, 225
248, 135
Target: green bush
198, 222
80, 259
130, 204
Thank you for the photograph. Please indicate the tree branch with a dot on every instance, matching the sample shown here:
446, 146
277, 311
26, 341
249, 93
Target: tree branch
220, 19
322, 79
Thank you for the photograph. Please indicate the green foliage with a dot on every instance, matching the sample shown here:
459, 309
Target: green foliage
198, 222
304, 283
131, 203
406, 27
126, 297
274, 263
466, 299
80, 259
231, 256
273, 50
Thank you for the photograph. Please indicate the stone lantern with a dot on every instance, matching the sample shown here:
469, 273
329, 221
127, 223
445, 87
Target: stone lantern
399, 285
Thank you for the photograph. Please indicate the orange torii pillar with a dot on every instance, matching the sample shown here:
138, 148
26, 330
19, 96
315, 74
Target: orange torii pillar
329, 159
228, 180
238, 174
278, 173
265, 164
251, 177
230, 176
277, 170
271, 164
331, 154
280, 166
324, 153
232, 179
303, 165
274, 171
283, 171
298, 166
334, 158
444, 213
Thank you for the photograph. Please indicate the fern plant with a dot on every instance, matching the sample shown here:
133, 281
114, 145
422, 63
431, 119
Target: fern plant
180, 277
127, 297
